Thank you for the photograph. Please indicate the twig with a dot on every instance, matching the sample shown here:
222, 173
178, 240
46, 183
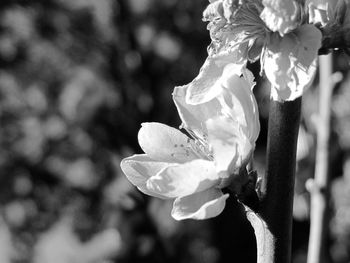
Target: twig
319, 187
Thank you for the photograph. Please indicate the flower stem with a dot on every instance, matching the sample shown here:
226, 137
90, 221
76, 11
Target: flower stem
319, 189
272, 222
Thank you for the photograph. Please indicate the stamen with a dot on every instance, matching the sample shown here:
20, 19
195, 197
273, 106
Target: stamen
200, 145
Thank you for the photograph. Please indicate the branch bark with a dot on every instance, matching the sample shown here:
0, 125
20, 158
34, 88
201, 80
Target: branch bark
272, 222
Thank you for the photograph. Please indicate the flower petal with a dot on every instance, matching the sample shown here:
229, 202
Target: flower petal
281, 15
139, 168
239, 103
318, 11
324, 11
184, 179
194, 116
201, 205
165, 143
290, 62
231, 147
235, 98
207, 84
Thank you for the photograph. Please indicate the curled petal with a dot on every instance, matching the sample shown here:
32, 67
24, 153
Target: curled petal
184, 179
281, 15
239, 103
231, 147
164, 143
201, 205
235, 99
193, 116
290, 62
207, 84
139, 168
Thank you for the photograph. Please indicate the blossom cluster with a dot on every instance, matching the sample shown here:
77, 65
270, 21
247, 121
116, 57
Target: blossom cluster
220, 120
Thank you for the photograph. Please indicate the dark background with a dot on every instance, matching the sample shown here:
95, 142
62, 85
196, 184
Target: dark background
77, 78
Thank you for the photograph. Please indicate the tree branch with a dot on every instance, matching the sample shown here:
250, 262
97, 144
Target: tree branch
272, 222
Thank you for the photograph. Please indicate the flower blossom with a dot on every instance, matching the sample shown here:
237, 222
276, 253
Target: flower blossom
272, 31
193, 168
282, 16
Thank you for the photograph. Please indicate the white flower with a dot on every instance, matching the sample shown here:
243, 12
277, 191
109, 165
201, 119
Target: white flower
175, 166
193, 169
233, 106
270, 30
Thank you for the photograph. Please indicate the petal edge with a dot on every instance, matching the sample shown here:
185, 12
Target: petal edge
202, 205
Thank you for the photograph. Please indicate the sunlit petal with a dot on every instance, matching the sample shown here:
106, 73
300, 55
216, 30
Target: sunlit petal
239, 103
231, 147
165, 143
139, 168
194, 116
280, 15
235, 99
184, 179
207, 84
318, 11
201, 205
290, 62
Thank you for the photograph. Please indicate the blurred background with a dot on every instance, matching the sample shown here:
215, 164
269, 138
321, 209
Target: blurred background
77, 78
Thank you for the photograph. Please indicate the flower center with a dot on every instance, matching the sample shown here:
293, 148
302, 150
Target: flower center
199, 145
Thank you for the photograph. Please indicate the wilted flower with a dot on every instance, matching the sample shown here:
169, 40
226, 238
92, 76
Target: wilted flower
275, 32
194, 168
